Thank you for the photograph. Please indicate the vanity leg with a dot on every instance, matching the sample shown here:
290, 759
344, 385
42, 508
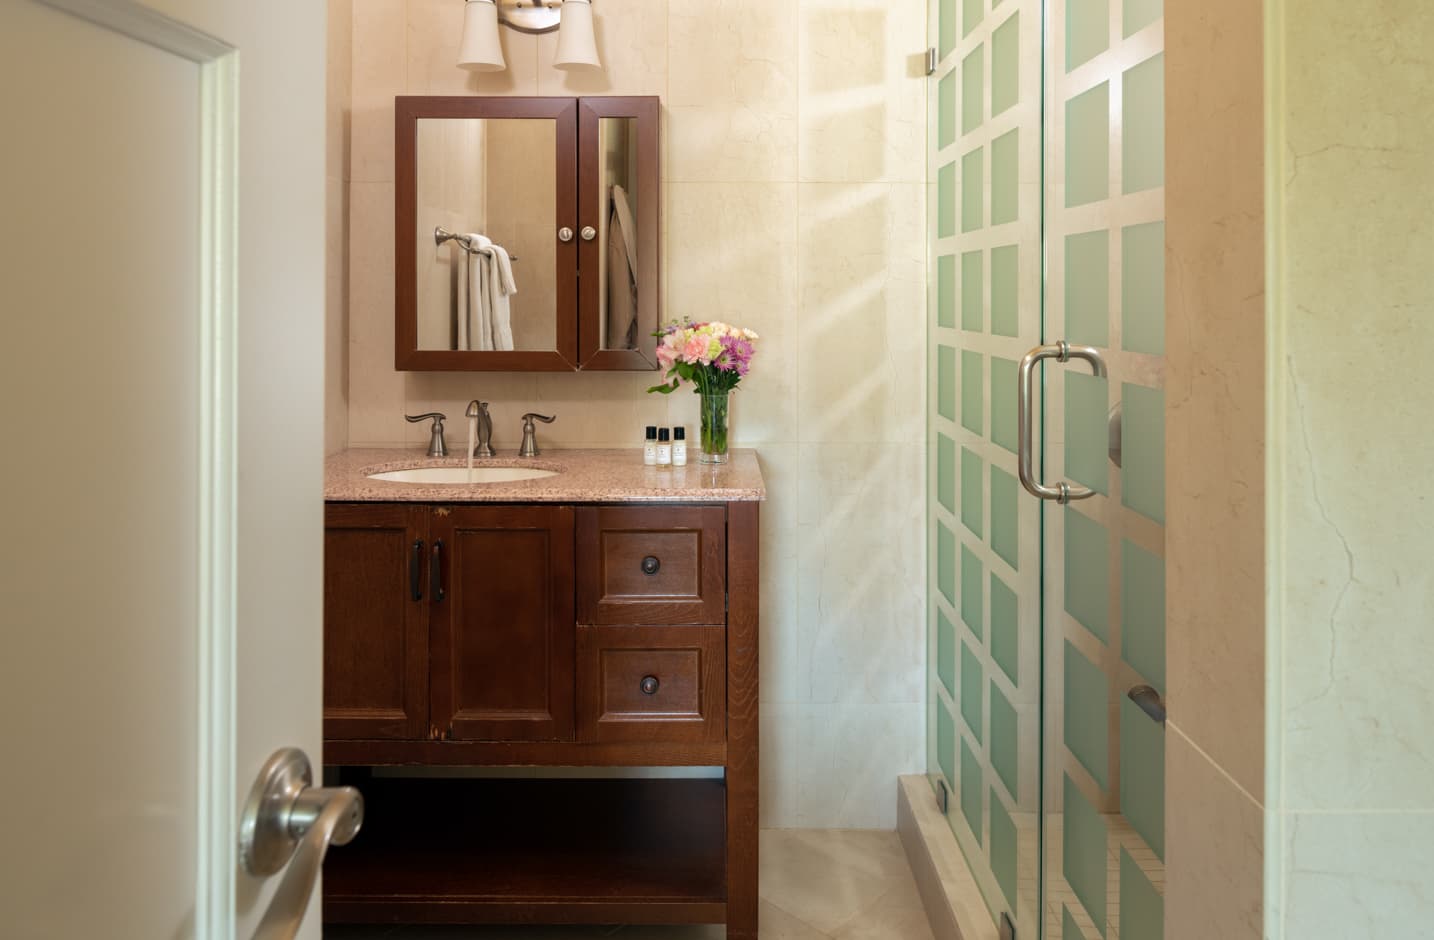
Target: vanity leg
743, 539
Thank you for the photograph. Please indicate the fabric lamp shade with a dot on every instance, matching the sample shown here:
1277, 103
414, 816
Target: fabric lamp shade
577, 47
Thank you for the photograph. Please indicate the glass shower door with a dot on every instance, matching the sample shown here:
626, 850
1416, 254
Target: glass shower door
985, 538
1104, 616
1046, 618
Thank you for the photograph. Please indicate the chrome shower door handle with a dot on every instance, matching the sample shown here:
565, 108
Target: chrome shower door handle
1062, 351
289, 821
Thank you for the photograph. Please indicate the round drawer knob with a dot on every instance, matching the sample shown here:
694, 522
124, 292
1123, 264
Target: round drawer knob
565, 234
650, 565
649, 685
589, 233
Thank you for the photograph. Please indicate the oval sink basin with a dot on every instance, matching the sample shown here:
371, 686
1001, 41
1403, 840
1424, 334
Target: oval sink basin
462, 475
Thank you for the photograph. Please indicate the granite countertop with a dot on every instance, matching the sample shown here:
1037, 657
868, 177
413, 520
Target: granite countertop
583, 476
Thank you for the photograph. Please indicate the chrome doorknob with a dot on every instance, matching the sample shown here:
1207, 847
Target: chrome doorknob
565, 234
589, 233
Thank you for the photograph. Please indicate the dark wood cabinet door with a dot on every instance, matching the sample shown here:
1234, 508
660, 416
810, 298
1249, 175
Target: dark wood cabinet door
375, 622
502, 630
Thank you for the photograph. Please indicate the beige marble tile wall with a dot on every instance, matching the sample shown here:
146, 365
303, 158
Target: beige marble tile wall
794, 204
336, 194
1352, 781
1215, 465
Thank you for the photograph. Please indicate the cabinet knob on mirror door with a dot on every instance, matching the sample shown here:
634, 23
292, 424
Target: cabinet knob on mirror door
649, 685
565, 234
589, 233
650, 565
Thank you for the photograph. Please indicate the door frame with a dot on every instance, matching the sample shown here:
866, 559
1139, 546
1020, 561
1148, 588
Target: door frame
216, 562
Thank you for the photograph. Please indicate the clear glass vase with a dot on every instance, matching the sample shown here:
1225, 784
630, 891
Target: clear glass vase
714, 427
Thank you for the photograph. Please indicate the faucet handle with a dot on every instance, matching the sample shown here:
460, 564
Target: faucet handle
437, 446
530, 433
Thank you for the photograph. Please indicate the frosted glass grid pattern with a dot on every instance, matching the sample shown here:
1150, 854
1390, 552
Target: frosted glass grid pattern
946, 472
946, 652
992, 72
1104, 616
946, 110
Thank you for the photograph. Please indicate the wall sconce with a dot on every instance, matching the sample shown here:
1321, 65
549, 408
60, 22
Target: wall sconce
481, 51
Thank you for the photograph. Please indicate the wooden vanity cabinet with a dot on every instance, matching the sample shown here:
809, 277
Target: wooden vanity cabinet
472, 635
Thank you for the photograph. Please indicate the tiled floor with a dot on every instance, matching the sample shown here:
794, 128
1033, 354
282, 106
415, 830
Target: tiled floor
836, 884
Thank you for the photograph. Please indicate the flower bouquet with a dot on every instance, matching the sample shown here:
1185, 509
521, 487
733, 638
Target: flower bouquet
713, 357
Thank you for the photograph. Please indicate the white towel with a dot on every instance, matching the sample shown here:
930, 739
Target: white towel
501, 286
477, 309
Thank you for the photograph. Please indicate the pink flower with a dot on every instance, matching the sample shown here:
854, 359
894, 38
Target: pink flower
666, 356
696, 350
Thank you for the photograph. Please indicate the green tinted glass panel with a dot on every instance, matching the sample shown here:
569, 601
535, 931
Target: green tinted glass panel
946, 562
946, 472
1142, 288
1003, 849
1005, 750
1088, 146
946, 201
971, 788
1005, 278
1070, 930
972, 183
973, 78
946, 744
1003, 402
1087, 30
946, 652
1138, 14
946, 110
971, 294
1005, 519
1087, 717
1005, 172
1142, 774
1142, 612
1142, 441
1087, 573
971, 575
1006, 65
1083, 860
946, 382
1142, 909
1143, 130
1087, 288
973, 687
946, 291
972, 505
947, 27
1005, 637
973, 400
972, 12
1087, 437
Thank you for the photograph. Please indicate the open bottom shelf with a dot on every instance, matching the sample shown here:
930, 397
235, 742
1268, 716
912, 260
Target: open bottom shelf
473, 851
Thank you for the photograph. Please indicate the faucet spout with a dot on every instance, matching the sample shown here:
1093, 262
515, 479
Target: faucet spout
484, 445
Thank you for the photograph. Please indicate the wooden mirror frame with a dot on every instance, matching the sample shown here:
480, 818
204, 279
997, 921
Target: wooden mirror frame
407, 356
646, 111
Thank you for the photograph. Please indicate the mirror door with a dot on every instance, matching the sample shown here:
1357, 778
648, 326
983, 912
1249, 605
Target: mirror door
487, 234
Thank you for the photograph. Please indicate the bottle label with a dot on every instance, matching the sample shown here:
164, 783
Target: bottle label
649, 454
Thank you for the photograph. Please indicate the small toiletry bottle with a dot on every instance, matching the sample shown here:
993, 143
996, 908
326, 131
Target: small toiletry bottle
679, 446
664, 449
649, 448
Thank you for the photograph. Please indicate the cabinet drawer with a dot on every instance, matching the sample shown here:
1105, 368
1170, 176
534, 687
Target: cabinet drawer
651, 684
652, 564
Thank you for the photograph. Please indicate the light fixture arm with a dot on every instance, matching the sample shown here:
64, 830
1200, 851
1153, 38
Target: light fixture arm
531, 16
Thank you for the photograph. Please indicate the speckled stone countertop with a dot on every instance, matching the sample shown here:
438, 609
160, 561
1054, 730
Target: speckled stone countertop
583, 476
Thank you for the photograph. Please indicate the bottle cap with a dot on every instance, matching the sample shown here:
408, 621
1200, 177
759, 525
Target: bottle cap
662, 435
679, 433
652, 432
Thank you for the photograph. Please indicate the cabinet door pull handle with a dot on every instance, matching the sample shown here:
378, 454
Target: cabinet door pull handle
415, 569
649, 685
651, 564
435, 572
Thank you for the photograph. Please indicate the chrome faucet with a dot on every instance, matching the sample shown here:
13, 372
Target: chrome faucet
479, 409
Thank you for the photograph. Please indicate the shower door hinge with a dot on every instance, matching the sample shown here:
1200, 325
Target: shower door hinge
942, 797
1008, 929
931, 61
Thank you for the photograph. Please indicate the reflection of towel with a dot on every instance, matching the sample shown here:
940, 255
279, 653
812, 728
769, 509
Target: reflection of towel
474, 331
501, 286
622, 274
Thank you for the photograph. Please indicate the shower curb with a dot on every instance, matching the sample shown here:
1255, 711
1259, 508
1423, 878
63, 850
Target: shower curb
953, 902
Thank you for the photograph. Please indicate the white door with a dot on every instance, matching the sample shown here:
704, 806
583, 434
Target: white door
161, 360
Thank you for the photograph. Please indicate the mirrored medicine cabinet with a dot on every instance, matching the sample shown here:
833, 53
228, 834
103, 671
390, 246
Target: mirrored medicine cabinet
527, 234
